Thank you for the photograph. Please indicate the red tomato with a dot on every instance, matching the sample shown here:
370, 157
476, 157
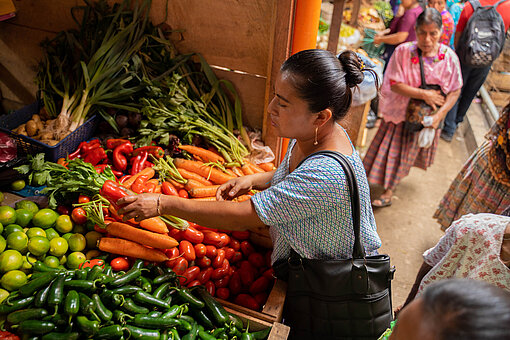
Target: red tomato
193, 235
259, 285
247, 273
269, 274
247, 301
222, 293
257, 260
119, 263
205, 275
99, 229
229, 253
212, 251
241, 235
224, 240
261, 298
235, 244
180, 266
175, 233
79, 216
194, 283
222, 283
183, 193
200, 250
189, 275
63, 210
212, 238
247, 248
237, 257
235, 283
219, 273
267, 257
218, 260
203, 262
173, 254
83, 199
209, 286
226, 265
187, 250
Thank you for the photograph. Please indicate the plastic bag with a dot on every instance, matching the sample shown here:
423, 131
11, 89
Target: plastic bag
261, 153
426, 137
367, 91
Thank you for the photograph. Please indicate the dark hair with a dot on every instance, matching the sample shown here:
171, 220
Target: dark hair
429, 16
467, 309
324, 81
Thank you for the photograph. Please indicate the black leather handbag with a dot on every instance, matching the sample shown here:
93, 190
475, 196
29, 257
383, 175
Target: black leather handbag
338, 299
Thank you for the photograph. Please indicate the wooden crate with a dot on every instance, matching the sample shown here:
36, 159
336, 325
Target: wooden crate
499, 80
500, 98
278, 332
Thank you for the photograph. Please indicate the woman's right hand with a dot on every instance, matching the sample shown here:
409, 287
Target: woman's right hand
433, 98
234, 187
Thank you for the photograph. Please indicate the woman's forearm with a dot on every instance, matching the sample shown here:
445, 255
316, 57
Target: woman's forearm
450, 100
221, 214
262, 181
408, 91
394, 38
424, 269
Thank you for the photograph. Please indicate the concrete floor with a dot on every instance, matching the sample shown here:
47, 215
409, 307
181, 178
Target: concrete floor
407, 228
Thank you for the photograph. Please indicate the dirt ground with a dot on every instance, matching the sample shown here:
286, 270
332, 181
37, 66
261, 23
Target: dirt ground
407, 228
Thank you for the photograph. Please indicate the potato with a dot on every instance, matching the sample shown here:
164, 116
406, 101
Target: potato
36, 118
40, 126
50, 142
22, 131
31, 128
19, 128
46, 135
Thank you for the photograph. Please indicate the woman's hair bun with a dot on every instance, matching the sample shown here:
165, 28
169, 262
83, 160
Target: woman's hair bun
352, 68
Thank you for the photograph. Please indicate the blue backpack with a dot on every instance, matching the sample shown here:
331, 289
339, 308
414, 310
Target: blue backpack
483, 38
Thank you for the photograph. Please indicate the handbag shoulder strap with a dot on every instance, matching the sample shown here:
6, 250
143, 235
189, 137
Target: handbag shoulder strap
422, 72
358, 252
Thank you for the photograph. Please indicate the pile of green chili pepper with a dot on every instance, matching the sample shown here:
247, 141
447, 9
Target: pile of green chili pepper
142, 303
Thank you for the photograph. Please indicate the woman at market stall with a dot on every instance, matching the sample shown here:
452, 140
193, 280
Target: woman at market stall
307, 206
483, 183
394, 149
448, 25
476, 246
401, 28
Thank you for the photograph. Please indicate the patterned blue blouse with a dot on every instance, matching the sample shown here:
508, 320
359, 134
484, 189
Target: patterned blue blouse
310, 210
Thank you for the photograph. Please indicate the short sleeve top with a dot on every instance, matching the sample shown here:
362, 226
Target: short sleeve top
310, 210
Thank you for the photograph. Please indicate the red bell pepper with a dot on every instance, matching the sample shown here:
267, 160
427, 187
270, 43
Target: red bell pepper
100, 168
124, 178
95, 155
113, 191
148, 164
138, 185
114, 142
119, 156
156, 151
92, 263
138, 163
77, 153
89, 146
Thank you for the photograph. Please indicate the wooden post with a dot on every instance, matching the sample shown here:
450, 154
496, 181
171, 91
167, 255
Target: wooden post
336, 22
355, 12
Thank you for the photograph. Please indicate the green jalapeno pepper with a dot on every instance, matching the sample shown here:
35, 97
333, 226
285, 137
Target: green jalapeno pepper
87, 326
16, 305
36, 284
16, 317
109, 332
72, 303
144, 283
146, 298
104, 313
130, 276
61, 336
185, 295
36, 327
131, 307
142, 333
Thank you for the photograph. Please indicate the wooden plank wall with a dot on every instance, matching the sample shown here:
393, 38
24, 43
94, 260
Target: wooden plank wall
247, 39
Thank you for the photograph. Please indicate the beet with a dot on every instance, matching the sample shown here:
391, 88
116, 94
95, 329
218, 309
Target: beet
125, 132
122, 120
134, 119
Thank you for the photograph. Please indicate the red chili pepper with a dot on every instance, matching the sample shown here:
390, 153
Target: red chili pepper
124, 178
92, 263
114, 142
138, 162
113, 191
95, 156
77, 153
147, 164
117, 173
100, 168
156, 151
119, 155
149, 187
168, 189
139, 184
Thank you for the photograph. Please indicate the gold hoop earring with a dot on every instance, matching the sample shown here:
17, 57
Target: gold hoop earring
316, 141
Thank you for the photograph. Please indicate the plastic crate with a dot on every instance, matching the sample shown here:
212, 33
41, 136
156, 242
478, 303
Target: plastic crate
29, 146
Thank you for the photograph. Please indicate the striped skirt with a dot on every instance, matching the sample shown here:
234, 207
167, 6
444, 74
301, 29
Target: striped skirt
474, 190
393, 152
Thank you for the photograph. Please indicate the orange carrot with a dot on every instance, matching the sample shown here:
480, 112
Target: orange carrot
191, 184
204, 199
247, 169
149, 172
208, 191
214, 175
192, 175
237, 171
129, 248
154, 224
255, 168
230, 172
116, 215
177, 185
206, 155
144, 237
242, 198
269, 166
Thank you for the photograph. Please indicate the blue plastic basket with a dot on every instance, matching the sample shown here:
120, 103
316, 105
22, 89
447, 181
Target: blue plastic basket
30, 146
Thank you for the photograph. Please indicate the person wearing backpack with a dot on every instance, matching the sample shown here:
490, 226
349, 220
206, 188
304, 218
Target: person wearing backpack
479, 40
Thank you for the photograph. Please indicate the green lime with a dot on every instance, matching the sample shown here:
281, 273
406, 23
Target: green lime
35, 231
38, 245
3, 293
1, 228
26, 267
10, 260
92, 237
45, 218
23, 217
17, 240
75, 259
80, 229
58, 246
51, 234
3, 244
18, 185
64, 224
7, 215
77, 242
52, 261
28, 205
12, 228
66, 236
63, 259
92, 254
13, 280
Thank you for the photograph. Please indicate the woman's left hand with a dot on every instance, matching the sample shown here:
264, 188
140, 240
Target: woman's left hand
436, 120
139, 207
